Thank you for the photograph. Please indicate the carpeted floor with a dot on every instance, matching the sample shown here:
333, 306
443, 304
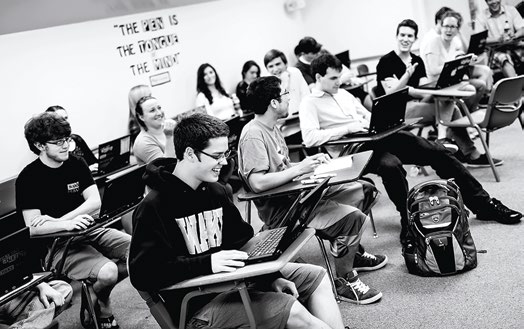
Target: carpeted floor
489, 296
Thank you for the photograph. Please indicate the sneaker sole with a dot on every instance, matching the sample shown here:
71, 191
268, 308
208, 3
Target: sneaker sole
498, 164
362, 302
372, 268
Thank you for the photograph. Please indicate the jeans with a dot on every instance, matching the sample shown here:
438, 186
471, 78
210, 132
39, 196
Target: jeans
390, 153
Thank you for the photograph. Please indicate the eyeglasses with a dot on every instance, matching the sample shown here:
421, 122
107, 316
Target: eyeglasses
449, 27
218, 157
60, 142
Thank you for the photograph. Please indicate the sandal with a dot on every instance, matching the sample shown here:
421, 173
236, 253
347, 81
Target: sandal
108, 323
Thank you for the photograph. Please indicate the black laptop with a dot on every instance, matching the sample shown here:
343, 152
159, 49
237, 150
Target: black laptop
344, 58
16, 263
477, 43
269, 245
114, 155
452, 73
121, 193
7, 196
388, 112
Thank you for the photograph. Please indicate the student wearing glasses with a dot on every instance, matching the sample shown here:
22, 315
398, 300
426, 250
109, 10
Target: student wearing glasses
167, 247
155, 139
444, 48
56, 193
265, 164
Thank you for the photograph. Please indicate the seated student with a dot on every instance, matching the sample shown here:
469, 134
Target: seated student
443, 49
250, 71
78, 145
156, 136
212, 94
307, 50
133, 97
330, 113
292, 81
163, 251
264, 164
504, 23
36, 308
56, 193
401, 68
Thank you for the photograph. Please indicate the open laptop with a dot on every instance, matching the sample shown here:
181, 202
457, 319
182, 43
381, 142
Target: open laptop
388, 112
7, 196
16, 263
114, 155
344, 58
269, 245
477, 43
452, 73
121, 193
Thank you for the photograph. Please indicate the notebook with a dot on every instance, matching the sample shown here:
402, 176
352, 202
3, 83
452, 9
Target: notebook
452, 73
120, 193
7, 196
114, 155
388, 112
477, 43
16, 263
297, 218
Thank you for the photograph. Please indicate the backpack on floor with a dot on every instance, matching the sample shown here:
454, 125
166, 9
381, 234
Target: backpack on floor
439, 240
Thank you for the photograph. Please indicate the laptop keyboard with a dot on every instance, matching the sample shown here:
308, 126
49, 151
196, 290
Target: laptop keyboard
269, 244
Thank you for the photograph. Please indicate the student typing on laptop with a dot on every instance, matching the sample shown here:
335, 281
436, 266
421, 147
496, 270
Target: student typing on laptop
201, 233
400, 68
55, 193
330, 113
443, 49
264, 163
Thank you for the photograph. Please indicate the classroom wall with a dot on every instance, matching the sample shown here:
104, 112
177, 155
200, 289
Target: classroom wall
80, 66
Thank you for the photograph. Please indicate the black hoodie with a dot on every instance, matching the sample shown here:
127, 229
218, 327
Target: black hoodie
176, 229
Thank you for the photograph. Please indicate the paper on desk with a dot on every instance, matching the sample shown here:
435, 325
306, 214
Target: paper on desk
335, 164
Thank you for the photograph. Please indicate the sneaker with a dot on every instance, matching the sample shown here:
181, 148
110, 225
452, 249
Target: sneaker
355, 291
368, 262
496, 211
482, 162
448, 144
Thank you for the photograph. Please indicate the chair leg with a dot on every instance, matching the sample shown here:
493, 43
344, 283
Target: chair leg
328, 268
248, 215
372, 220
488, 153
88, 304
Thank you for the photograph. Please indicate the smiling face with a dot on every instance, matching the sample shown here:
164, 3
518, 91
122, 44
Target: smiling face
405, 39
494, 6
330, 82
54, 154
152, 114
209, 76
449, 28
208, 168
276, 67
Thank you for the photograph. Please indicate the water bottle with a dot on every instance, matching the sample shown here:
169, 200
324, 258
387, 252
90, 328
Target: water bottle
236, 104
507, 29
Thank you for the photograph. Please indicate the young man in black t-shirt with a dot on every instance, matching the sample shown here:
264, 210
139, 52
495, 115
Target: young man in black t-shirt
57, 193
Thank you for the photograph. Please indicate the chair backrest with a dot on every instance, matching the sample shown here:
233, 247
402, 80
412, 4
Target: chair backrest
504, 103
158, 310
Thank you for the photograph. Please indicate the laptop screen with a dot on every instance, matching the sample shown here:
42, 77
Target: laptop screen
123, 192
477, 43
344, 58
453, 71
388, 111
114, 155
15, 261
7, 196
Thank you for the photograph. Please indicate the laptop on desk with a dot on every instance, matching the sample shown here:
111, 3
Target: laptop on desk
114, 155
121, 193
269, 245
452, 73
16, 263
477, 43
387, 112
7, 196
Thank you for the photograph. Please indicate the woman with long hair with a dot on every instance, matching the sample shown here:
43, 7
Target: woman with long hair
250, 72
212, 95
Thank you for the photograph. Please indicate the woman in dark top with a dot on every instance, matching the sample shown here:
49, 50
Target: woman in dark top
250, 72
79, 146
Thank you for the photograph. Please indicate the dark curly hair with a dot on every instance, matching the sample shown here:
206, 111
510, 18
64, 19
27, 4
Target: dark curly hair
45, 127
202, 86
261, 91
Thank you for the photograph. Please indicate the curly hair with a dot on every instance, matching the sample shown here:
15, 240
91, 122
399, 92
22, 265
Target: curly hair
45, 127
261, 91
